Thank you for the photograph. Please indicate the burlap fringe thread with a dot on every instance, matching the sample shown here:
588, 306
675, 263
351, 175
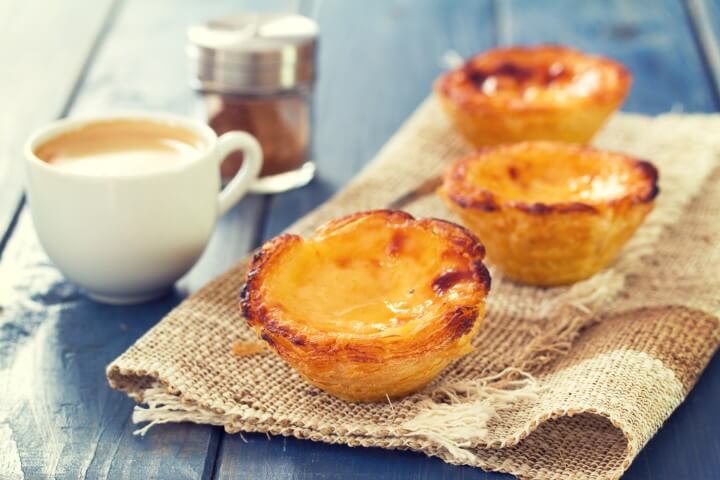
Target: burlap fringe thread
456, 416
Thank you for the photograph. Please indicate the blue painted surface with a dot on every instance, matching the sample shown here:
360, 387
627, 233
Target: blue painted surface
688, 445
289, 458
706, 17
652, 37
59, 419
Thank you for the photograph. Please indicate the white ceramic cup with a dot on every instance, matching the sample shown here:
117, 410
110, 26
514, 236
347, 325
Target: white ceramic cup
127, 239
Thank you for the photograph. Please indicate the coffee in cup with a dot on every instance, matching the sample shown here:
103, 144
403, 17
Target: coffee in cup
125, 205
121, 147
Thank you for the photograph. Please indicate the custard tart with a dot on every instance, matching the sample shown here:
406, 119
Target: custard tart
532, 93
373, 305
550, 213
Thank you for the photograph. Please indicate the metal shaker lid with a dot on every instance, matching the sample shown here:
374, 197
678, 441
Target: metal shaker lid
253, 53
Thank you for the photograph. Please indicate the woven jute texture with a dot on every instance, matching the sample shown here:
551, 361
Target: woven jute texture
563, 383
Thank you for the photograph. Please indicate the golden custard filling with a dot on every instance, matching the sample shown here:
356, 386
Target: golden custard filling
526, 176
366, 279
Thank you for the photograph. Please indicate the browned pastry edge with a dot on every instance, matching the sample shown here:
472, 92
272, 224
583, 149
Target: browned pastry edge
283, 336
467, 196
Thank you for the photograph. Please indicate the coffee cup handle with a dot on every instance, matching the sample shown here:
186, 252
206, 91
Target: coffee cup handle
249, 171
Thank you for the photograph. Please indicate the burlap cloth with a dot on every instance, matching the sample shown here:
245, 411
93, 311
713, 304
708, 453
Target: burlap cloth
610, 357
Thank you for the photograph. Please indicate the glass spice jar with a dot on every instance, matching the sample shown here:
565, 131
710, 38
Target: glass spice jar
255, 73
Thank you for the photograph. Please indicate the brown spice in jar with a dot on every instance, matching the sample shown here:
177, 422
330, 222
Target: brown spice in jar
280, 123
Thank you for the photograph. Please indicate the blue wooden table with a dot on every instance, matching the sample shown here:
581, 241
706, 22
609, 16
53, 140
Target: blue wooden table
58, 417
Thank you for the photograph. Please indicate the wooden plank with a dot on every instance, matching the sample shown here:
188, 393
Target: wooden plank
378, 60
705, 18
280, 458
36, 81
30, 99
652, 37
58, 417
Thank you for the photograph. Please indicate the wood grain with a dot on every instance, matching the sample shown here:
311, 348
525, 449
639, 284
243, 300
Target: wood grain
36, 84
652, 37
59, 417
705, 18
37, 81
282, 458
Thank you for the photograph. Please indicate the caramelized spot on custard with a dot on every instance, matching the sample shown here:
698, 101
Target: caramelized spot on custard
447, 280
510, 69
513, 172
478, 76
508, 74
343, 262
396, 243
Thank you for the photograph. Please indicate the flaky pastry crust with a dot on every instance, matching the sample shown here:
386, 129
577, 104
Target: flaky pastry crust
545, 92
373, 305
550, 213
